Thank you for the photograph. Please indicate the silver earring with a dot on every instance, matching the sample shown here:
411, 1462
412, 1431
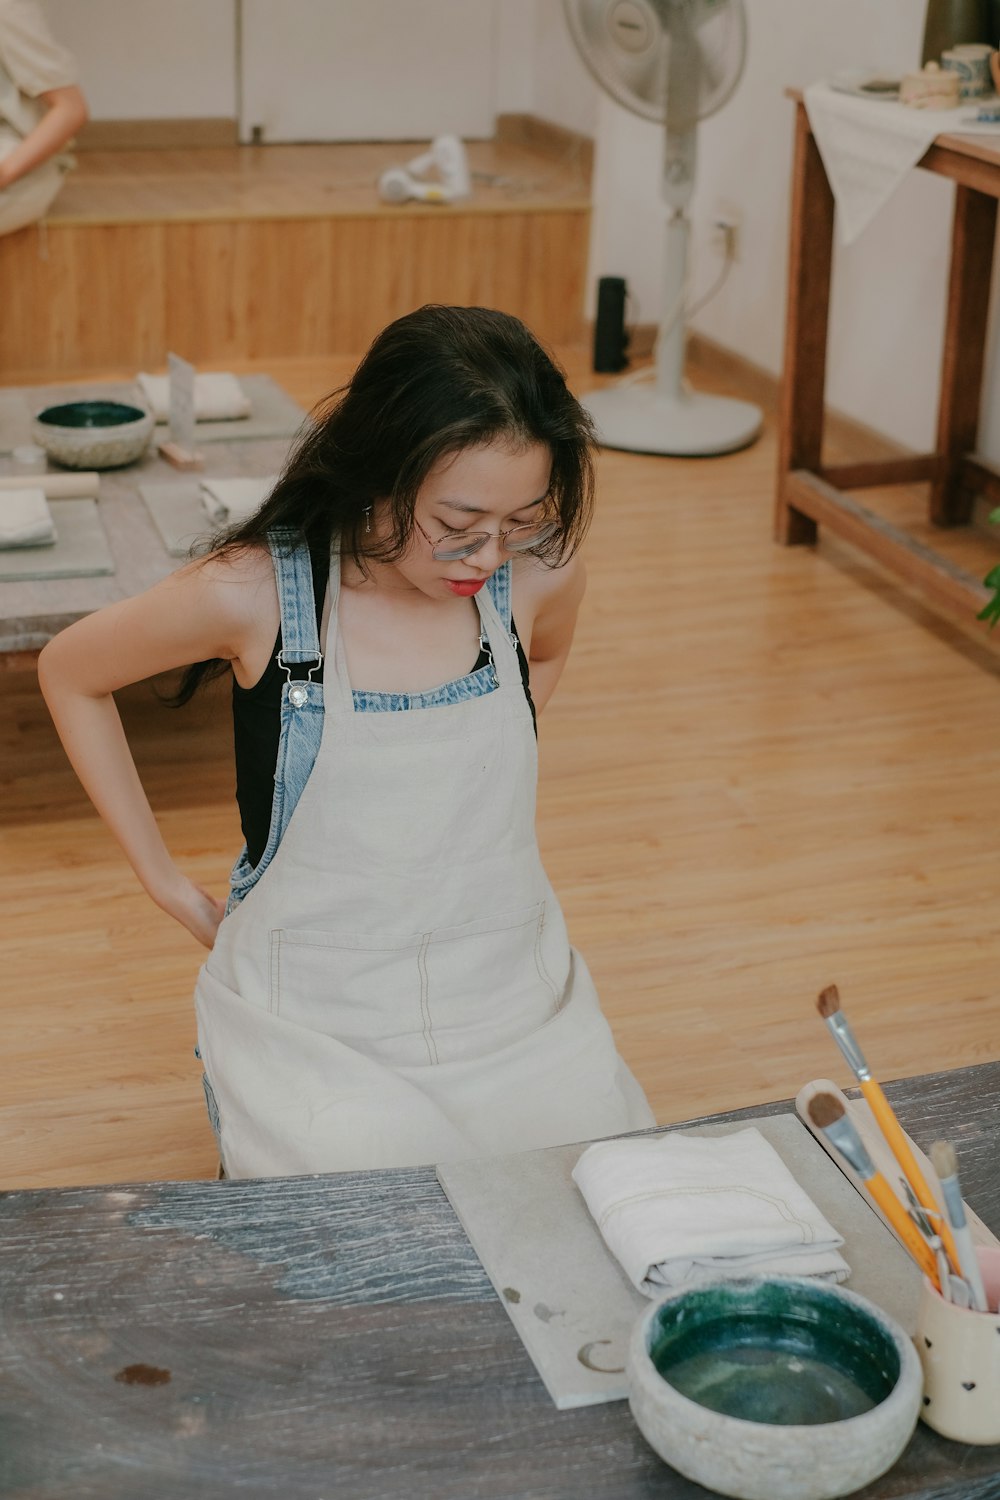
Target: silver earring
368, 519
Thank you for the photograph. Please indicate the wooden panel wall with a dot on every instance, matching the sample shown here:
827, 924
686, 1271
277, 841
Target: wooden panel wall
81, 296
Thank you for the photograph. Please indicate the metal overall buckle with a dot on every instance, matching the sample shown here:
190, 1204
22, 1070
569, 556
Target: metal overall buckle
298, 691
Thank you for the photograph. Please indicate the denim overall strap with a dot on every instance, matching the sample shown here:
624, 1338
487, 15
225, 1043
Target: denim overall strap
498, 585
293, 573
301, 723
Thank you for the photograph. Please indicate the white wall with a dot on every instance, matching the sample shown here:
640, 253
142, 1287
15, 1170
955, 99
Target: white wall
156, 59
564, 90
888, 296
367, 70
146, 60
514, 56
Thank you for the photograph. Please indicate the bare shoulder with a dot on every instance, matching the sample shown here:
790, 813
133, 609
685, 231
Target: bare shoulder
235, 596
241, 582
546, 597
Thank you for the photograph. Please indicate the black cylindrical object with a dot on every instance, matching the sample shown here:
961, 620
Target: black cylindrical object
948, 23
610, 338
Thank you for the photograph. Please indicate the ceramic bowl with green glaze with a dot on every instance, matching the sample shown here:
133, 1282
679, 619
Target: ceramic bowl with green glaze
774, 1388
93, 434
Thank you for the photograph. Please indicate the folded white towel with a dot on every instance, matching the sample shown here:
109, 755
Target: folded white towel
25, 519
217, 397
230, 500
869, 145
677, 1209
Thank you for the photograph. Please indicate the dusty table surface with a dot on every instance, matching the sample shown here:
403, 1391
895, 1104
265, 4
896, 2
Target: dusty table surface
34, 610
312, 1337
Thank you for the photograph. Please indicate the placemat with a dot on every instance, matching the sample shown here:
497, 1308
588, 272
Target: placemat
178, 513
568, 1297
80, 551
15, 421
274, 414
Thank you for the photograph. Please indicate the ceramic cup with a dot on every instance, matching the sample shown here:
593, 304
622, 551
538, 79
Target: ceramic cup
960, 1353
971, 61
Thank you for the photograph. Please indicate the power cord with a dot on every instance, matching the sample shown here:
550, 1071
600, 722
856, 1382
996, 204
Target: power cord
679, 310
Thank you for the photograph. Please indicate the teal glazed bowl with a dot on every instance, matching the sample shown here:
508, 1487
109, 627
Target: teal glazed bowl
93, 434
774, 1388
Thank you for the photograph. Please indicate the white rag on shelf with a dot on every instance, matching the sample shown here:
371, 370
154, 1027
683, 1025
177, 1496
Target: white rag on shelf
869, 145
678, 1209
25, 519
228, 501
217, 398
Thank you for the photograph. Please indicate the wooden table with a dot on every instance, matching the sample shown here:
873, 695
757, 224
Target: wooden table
336, 1336
810, 494
32, 611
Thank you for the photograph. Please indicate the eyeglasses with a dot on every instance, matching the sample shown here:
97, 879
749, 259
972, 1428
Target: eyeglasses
456, 544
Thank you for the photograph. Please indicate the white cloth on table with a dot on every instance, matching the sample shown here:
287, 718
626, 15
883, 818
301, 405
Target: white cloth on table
869, 145
217, 397
228, 501
678, 1209
25, 519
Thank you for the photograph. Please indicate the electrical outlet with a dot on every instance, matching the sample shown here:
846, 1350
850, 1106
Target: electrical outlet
727, 229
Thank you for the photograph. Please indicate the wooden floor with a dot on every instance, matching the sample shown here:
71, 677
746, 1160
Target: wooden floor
765, 771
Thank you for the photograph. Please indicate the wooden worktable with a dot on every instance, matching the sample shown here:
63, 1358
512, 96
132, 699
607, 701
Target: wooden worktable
811, 494
33, 610
336, 1336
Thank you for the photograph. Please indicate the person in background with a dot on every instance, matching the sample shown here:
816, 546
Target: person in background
41, 109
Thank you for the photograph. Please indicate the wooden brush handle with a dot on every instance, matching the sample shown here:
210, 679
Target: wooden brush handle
900, 1145
904, 1227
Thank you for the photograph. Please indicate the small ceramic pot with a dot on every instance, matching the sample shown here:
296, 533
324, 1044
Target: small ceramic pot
960, 1353
774, 1388
971, 62
93, 434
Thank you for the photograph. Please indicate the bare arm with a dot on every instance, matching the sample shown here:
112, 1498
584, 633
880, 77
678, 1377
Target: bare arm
204, 610
66, 112
557, 594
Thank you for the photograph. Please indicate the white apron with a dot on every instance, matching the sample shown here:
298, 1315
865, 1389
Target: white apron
398, 988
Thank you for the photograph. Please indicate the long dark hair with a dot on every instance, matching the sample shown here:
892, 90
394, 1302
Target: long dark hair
434, 382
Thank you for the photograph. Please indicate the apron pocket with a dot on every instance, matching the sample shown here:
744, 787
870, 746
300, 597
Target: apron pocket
422, 998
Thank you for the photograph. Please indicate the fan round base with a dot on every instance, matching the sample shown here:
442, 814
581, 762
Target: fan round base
642, 419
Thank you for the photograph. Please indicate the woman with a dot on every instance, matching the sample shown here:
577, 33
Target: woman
41, 109
392, 984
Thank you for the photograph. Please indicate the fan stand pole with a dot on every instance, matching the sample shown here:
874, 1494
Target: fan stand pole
669, 351
667, 416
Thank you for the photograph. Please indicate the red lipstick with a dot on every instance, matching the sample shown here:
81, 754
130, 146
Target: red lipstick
465, 587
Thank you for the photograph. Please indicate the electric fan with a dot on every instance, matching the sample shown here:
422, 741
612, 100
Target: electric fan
676, 62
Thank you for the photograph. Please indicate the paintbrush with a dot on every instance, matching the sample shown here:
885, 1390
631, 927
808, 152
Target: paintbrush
828, 1006
946, 1166
828, 1115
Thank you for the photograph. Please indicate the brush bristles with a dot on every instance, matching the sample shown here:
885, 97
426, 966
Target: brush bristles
829, 1002
825, 1110
944, 1159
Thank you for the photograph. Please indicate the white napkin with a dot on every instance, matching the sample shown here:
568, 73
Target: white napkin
230, 500
869, 145
217, 398
678, 1209
25, 519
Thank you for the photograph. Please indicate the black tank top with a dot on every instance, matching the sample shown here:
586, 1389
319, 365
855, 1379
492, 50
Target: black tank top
257, 726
